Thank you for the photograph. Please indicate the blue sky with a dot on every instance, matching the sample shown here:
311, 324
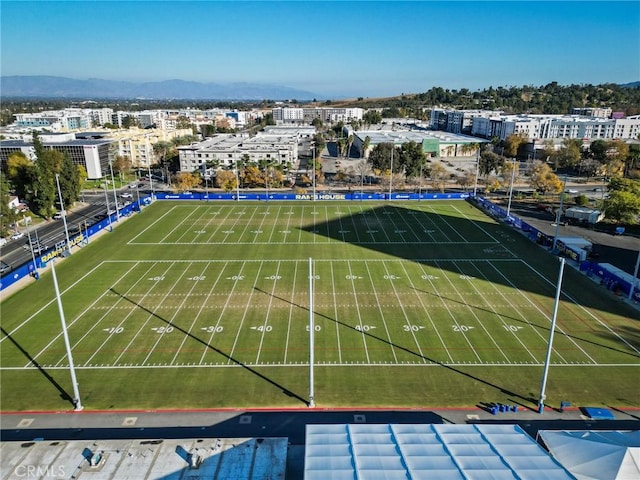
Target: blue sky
335, 49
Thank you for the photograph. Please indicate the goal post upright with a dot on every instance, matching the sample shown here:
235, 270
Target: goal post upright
311, 331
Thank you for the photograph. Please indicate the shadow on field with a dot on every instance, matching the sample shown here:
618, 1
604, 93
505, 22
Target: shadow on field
632, 339
405, 349
284, 390
63, 393
456, 242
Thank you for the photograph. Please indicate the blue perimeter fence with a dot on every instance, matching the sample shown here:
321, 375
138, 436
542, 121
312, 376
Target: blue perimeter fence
607, 277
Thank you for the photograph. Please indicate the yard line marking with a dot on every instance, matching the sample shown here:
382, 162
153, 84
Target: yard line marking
153, 224
476, 224
173, 317
291, 307
275, 225
140, 329
244, 315
519, 292
381, 222
353, 223
426, 311
386, 327
220, 222
410, 225
490, 306
70, 324
122, 298
197, 316
431, 222
446, 305
178, 225
493, 340
443, 219
249, 223
224, 307
335, 311
194, 223
266, 318
107, 312
50, 302
355, 299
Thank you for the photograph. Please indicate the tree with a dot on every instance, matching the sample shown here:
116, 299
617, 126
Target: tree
543, 179
411, 159
226, 180
439, 176
380, 156
7, 215
489, 163
21, 173
512, 144
365, 145
318, 144
186, 181
569, 154
372, 117
69, 179
122, 163
129, 121
164, 151
622, 206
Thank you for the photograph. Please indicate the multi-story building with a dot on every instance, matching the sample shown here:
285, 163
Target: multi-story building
137, 144
556, 127
306, 115
91, 153
602, 112
224, 150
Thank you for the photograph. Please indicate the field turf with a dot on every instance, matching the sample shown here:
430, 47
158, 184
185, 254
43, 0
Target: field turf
415, 304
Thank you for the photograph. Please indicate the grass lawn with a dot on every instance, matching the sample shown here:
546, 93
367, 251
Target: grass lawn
206, 305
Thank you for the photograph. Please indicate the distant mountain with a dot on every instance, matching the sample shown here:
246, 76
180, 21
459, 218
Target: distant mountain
631, 85
61, 87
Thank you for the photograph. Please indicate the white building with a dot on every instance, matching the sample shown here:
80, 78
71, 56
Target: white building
556, 127
306, 115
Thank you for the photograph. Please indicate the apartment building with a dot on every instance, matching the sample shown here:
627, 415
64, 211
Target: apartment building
307, 115
137, 144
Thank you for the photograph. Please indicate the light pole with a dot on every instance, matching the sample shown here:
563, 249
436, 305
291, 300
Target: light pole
150, 179
634, 281
393, 147
475, 184
513, 179
64, 214
313, 169
77, 404
237, 179
555, 237
115, 198
33, 256
311, 332
106, 201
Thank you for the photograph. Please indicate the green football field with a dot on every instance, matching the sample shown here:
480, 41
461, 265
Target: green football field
415, 304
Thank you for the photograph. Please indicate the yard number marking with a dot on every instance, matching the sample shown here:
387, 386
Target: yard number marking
352, 277
157, 279
462, 328
316, 328
429, 277
512, 328
413, 328
364, 328
162, 329
113, 330
197, 278
467, 277
262, 328
212, 329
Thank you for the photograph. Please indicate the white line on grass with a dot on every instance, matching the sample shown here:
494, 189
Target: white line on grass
219, 223
488, 305
224, 307
197, 317
291, 307
244, 315
377, 297
426, 310
34, 315
335, 312
355, 299
178, 225
268, 311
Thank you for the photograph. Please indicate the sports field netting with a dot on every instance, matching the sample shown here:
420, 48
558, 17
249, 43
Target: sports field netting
207, 304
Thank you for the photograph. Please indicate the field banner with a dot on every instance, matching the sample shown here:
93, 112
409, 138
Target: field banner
356, 196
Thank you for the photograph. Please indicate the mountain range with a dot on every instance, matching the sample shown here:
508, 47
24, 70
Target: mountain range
61, 87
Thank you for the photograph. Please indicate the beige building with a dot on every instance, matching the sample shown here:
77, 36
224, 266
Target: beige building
137, 144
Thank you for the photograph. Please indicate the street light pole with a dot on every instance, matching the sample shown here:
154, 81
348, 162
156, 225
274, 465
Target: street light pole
475, 185
115, 198
106, 201
64, 214
33, 256
313, 172
513, 178
393, 147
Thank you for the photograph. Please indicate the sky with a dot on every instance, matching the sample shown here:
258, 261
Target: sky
333, 49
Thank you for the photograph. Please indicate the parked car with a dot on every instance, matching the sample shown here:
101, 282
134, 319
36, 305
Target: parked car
3, 242
17, 236
126, 195
57, 216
